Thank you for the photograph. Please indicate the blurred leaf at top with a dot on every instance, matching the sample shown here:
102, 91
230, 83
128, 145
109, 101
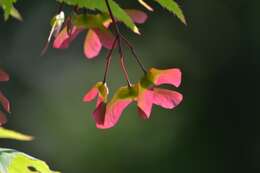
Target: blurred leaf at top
100, 5
9, 9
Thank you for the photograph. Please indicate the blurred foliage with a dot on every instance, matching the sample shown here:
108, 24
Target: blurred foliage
9, 9
12, 161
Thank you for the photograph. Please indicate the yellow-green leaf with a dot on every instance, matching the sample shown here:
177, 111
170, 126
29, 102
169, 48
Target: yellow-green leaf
12, 161
10, 134
15, 14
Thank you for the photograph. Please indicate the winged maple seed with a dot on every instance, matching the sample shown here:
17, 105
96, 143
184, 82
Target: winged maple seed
56, 23
145, 93
102, 30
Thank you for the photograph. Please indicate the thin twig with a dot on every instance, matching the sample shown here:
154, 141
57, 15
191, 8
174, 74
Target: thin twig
113, 18
108, 59
122, 63
124, 39
134, 54
117, 33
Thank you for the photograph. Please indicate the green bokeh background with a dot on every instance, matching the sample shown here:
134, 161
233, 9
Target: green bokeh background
215, 129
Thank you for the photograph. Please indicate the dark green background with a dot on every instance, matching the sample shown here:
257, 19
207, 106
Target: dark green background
215, 129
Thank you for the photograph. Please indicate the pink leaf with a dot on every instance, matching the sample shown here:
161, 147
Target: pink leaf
144, 103
170, 76
92, 44
137, 16
5, 102
113, 113
142, 114
106, 38
91, 94
3, 119
166, 98
99, 100
63, 39
3, 76
99, 114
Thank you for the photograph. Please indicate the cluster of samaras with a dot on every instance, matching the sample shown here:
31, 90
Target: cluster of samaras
145, 92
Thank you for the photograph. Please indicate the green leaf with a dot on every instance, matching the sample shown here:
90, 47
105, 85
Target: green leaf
12, 161
125, 92
89, 20
9, 134
100, 5
173, 7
